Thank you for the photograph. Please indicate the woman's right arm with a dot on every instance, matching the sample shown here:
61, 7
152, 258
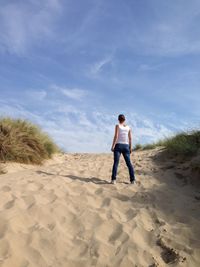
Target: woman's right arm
130, 140
115, 137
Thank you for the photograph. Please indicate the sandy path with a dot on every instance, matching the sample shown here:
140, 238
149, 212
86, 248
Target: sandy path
66, 213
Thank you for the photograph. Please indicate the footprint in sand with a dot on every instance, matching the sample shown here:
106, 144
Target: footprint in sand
109, 215
122, 197
110, 231
9, 204
51, 226
35, 257
118, 234
81, 247
34, 186
6, 188
106, 202
29, 201
24, 263
130, 214
3, 227
99, 191
4, 249
46, 198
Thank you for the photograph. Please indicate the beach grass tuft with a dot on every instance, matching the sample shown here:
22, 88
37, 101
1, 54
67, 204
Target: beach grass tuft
186, 143
24, 142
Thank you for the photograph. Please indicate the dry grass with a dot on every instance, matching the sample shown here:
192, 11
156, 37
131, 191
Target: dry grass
183, 143
22, 141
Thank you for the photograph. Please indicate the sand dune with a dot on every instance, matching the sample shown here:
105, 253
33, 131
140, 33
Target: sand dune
65, 213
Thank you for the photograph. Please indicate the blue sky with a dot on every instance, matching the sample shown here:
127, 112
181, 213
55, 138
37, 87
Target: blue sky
73, 66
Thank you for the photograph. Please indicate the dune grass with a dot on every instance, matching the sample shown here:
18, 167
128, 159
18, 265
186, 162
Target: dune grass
149, 146
25, 142
184, 143
138, 147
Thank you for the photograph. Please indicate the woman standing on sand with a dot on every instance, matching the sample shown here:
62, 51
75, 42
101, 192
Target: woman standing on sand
122, 143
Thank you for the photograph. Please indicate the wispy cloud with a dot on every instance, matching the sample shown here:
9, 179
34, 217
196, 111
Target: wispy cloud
72, 76
76, 94
98, 66
77, 131
36, 94
73, 93
149, 67
171, 29
23, 24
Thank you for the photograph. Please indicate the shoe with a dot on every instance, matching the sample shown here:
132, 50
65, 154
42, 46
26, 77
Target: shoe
113, 181
132, 182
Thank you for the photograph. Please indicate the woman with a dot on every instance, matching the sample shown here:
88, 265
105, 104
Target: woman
122, 143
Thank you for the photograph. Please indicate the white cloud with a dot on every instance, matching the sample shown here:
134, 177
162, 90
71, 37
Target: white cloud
149, 67
97, 67
12, 109
75, 130
76, 94
37, 94
73, 93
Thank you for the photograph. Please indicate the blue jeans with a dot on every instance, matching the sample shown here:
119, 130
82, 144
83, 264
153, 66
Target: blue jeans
125, 150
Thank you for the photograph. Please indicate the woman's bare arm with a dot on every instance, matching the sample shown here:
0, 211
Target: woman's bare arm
115, 137
130, 140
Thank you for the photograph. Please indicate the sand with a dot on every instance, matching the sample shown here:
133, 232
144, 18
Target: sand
66, 213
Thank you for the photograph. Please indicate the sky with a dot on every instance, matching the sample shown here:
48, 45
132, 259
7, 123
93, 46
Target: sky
72, 67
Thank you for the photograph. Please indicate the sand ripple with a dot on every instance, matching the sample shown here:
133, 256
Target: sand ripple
66, 214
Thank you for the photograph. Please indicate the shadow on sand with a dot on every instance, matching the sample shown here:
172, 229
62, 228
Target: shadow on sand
94, 180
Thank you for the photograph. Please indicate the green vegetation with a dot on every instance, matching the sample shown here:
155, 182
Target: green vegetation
137, 147
184, 143
149, 146
22, 141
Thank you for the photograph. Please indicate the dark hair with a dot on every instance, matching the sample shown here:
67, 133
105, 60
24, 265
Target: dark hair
121, 118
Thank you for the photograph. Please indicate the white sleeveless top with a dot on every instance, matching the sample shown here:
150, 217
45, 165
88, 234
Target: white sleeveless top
123, 134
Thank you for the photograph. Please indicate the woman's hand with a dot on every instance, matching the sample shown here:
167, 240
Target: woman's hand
112, 149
